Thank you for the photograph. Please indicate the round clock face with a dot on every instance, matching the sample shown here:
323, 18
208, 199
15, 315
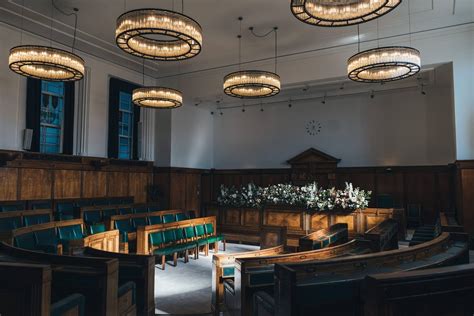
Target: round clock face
313, 127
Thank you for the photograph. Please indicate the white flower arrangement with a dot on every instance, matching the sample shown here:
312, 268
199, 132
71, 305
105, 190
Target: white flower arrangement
309, 196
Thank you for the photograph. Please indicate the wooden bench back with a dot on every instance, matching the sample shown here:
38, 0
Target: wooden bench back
43, 226
334, 234
144, 231
6, 236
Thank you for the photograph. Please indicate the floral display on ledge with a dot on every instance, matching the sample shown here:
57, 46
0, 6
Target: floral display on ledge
309, 196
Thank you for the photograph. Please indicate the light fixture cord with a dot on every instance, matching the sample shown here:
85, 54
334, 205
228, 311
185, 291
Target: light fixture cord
143, 71
409, 21
240, 43
358, 38
124, 5
75, 22
182, 6
378, 43
22, 21
276, 47
51, 32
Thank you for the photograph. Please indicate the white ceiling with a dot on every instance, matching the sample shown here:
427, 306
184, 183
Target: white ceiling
218, 19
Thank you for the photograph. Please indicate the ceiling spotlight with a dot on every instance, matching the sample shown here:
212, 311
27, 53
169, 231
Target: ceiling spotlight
324, 99
212, 112
261, 110
372, 94
342, 86
261, 107
290, 105
305, 88
222, 113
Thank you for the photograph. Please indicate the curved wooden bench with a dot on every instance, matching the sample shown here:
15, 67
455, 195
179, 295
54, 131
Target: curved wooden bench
95, 278
384, 236
309, 288
139, 269
326, 237
223, 268
17, 219
440, 291
253, 274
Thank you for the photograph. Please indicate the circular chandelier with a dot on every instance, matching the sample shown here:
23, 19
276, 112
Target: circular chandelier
157, 97
135, 30
249, 84
340, 12
384, 64
48, 63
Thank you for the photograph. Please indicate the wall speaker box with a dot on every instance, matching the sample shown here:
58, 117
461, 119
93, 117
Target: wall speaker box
27, 138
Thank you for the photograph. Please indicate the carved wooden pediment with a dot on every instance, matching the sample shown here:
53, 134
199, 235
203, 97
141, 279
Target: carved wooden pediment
313, 165
313, 156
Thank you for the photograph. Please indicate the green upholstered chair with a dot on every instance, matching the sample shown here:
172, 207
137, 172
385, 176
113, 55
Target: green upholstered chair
201, 238
101, 202
72, 304
10, 223
181, 217
169, 218
47, 240
139, 221
125, 227
214, 238
36, 219
92, 217
157, 244
96, 228
41, 205
153, 220
191, 214
108, 212
68, 233
185, 244
25, 241
12, 207
64, 210
140, 209
125, 210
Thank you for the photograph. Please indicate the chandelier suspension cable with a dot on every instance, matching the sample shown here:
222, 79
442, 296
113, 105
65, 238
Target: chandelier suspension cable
51, 31
358, 38
273, 30
143, 71
75, 22
409, 22
22, 21
378, 42
240, 43
182, 6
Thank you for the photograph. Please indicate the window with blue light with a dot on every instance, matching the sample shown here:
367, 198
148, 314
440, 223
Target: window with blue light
51, 117
125, 134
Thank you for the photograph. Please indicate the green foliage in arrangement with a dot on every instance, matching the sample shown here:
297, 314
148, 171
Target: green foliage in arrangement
309, 196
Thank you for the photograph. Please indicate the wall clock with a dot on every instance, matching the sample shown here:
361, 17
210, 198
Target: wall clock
313, 127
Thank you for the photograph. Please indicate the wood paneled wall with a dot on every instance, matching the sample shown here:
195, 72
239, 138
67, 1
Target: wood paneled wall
465, 194
22, 178
430, 186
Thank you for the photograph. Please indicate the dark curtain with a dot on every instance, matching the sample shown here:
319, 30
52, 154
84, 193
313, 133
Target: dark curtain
33, 110
115, 87
68, 134
33, 114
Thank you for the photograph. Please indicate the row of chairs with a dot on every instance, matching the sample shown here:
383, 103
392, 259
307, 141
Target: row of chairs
100, 215
64, 205
182, 240
129, 225
10, 223
52, 240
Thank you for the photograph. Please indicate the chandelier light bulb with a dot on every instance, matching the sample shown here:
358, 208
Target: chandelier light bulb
331, 13
252, 84
135, 28
384, 64
47, 63
157, 97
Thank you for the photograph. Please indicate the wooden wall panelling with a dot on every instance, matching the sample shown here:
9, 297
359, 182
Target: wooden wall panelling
35, 184
206, 189
465, 194
161, 180
178, 191
391, 183
139, 182
420, 189
445, 190
117, 183
94, 184
275, 178
67, 184
8, 184
193, 191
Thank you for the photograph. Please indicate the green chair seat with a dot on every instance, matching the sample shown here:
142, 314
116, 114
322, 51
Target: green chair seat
96, 228
10, 223
92, 217
140, 209
124, 211
36, 219
72, 232
125, 227
169, 218
107, 213
154, 220
165, 251
217, 238
25, 241
139, 221
202, 242
181, 217
187, 246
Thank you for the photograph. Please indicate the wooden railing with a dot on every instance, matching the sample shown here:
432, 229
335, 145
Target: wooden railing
326, 237
114, 218
384, 235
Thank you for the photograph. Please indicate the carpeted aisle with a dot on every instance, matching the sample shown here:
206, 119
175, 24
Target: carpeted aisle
186, 289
